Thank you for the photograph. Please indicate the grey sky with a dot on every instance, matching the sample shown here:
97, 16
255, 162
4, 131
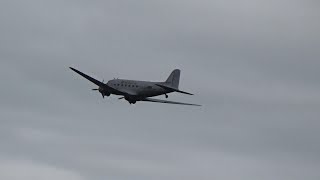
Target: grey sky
253, 64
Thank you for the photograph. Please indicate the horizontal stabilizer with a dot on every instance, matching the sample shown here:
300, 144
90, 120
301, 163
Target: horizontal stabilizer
172, 89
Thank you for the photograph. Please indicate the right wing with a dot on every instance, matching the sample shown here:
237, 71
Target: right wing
166, 102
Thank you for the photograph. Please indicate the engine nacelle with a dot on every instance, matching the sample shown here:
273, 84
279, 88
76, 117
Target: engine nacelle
130, 99
104, 92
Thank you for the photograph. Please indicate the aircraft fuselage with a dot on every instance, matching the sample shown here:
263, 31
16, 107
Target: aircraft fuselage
139, 88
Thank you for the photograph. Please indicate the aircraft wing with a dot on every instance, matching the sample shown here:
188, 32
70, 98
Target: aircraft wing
167, 102
94, 81
101, 84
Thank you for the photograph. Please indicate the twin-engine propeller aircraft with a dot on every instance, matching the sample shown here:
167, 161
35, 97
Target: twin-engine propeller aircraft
134, 91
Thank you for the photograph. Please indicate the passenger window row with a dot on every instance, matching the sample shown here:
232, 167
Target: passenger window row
125, 85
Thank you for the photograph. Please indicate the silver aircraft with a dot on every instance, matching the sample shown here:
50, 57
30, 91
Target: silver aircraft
134, 91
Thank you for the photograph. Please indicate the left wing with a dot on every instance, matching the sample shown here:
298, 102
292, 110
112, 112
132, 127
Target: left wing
103, 85
94, 81
166, 102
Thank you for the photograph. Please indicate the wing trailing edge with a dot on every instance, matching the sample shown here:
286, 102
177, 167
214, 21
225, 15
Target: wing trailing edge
167, 102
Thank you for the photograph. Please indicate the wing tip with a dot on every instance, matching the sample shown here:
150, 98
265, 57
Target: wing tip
195, 105
76, 70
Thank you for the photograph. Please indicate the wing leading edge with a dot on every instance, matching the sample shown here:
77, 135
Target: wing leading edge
94, 81
101, 84
167, 102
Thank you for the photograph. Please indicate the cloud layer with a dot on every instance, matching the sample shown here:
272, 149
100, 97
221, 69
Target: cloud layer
254, 65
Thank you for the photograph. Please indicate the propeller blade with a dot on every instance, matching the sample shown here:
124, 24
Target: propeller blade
121, 98
95, 89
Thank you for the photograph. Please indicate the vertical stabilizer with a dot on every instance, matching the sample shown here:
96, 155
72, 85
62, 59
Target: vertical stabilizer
174, 78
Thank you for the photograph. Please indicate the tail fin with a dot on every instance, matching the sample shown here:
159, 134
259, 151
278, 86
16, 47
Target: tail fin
174, 79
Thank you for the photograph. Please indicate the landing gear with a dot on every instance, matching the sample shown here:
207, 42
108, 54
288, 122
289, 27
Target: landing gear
105, 94
130, 100
166, 96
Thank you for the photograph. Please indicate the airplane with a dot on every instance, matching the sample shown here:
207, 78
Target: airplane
134, 91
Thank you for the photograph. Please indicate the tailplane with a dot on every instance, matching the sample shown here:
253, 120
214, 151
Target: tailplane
174, 79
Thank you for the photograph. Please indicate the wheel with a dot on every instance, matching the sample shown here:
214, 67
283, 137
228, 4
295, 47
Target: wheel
167, 96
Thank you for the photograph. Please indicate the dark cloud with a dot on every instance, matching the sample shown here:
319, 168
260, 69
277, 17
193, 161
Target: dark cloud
252, 64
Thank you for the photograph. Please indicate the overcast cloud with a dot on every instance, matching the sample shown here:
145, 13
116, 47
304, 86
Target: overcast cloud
253, 64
